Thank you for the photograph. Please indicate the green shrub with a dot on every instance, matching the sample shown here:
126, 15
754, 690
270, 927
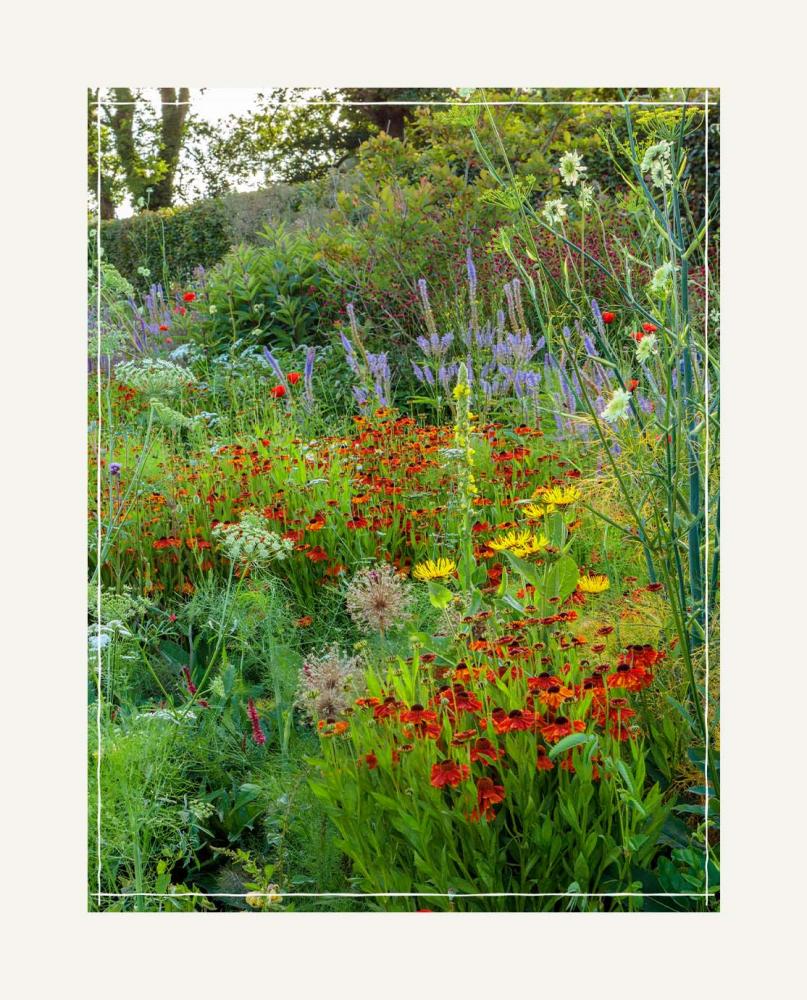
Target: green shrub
166, 246
277, 294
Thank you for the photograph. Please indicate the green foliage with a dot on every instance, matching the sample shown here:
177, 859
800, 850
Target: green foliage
274, 294
168, 245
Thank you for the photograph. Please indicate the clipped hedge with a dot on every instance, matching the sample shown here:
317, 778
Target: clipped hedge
168, 243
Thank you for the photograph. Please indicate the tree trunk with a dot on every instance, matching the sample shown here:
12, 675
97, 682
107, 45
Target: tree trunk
389, 117
139, 179
174, 112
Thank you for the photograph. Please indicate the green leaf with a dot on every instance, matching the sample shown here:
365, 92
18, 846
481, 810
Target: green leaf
581, 873
561, 579
555, 530
572, 740
175, 654
439, 595
525, 570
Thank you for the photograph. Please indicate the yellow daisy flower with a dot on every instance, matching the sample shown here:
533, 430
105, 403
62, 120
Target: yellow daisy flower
530, 547
560, 496
434, 569
534, 510
595, 584
510, 540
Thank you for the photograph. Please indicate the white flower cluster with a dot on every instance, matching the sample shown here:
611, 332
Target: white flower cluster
656, 162
249, 542
155, 376
172, 419
99, 636
120, 606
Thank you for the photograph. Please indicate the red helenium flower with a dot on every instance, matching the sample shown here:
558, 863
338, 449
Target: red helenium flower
448, 772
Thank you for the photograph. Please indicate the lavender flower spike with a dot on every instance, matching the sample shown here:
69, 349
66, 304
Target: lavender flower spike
274, 365
308, 375
469, 262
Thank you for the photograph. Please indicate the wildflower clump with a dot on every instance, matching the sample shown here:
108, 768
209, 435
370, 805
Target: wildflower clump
329, 684
249, 542
378, 598
155, 376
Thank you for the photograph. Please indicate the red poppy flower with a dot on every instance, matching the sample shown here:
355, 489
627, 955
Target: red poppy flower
293, 378
649, 328
633, 385
608, 317
163, 328
189, 296
277, 391
449, 772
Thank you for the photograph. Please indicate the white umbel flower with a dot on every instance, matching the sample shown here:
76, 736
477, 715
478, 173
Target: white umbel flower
249, 542
656, 162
